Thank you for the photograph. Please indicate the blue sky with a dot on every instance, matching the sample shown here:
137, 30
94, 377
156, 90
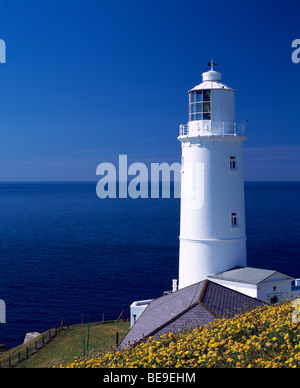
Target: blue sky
88, 80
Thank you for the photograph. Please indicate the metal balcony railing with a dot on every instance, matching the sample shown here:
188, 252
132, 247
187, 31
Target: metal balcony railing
214, 128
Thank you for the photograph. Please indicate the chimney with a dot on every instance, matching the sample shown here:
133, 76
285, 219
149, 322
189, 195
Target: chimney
174, 285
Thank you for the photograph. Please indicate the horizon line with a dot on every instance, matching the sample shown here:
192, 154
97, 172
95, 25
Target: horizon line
96, 181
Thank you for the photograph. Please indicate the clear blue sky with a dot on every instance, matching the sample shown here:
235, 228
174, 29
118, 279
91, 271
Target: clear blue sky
87, 80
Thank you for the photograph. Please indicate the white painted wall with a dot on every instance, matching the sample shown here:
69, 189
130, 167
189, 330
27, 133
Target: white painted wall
283, 290
136, 309
247, 289
208, 243
263, 291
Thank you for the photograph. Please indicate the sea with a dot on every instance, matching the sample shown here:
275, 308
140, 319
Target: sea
67, 254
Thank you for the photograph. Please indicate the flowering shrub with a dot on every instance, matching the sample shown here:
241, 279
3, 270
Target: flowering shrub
266, 337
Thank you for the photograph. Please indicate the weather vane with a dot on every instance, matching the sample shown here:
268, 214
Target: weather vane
211, 64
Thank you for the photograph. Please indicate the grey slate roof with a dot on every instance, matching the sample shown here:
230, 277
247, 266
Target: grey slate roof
187, 308
247, 275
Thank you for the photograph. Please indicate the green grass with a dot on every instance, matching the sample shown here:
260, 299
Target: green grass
69, 344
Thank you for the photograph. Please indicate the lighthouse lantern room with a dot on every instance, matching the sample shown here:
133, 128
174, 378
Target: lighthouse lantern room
212, 214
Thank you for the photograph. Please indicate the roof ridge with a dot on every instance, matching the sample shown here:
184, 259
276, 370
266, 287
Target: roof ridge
201, 296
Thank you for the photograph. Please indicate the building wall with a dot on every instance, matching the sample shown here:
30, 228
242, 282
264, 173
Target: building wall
247, 289
282, 289
264, 291
136, 310
208, 243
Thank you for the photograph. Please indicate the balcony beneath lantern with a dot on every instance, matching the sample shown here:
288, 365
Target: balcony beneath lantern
211, 128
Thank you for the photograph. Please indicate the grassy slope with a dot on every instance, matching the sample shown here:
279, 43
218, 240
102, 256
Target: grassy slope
69, 343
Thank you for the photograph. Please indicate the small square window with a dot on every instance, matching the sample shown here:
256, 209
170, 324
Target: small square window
234, 220
233, 163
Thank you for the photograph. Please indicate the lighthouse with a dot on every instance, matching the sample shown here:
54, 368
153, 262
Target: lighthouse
214, 279
212, 211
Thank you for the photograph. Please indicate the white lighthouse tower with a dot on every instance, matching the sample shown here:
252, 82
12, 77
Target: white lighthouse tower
212, 221
212, 216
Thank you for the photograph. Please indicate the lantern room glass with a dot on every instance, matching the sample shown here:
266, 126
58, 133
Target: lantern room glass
200, 105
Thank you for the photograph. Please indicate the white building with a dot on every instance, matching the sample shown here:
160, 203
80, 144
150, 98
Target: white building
212, 217
136, 309
263, 284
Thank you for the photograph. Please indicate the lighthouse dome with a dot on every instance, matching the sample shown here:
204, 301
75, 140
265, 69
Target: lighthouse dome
212, 75
211, 80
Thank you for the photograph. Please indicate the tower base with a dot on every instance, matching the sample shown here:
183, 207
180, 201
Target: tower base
200, 258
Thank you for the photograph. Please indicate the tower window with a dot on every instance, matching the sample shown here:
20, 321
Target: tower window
200, 105
234, 220
233, 163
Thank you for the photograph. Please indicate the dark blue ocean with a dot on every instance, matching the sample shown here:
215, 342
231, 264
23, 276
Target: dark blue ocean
65, 253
